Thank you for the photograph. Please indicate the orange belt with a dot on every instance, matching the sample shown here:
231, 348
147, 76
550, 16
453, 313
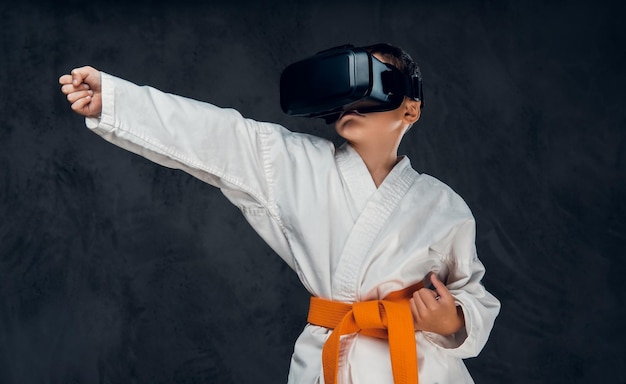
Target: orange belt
389, 318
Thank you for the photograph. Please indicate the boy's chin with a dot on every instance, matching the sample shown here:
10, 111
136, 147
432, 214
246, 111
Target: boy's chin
349, 130
348, 120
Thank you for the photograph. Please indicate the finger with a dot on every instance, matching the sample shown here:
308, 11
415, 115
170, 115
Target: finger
440, 287
74, 96
68, 79
416, 315
65, 79
429, 298
79, 75
420, 306
81, 104
69, 88
77, 78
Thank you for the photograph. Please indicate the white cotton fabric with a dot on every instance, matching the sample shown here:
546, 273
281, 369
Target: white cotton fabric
319, 209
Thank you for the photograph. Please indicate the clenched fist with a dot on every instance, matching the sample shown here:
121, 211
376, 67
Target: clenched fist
83, 88
435, 310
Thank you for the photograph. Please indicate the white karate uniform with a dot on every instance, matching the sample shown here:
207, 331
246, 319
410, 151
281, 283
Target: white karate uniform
319, 209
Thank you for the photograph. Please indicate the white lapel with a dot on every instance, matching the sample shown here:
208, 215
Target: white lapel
358, 183
372, 209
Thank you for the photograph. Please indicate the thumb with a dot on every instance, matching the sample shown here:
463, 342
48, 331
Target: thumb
440, 287
79, 75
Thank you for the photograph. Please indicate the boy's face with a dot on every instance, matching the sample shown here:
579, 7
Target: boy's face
377, 126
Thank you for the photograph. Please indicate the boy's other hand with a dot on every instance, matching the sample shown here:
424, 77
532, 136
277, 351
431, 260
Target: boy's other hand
83, 90
435, 310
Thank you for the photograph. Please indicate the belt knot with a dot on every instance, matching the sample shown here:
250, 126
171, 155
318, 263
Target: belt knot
389, 318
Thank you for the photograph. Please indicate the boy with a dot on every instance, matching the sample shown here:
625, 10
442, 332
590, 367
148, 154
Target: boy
357, 224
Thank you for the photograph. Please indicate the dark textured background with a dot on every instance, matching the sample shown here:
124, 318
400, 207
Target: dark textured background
115, 270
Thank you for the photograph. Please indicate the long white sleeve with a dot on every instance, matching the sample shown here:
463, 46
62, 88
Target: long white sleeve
216, 145
250, 161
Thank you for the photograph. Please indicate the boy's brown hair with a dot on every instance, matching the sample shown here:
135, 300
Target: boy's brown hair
396, 57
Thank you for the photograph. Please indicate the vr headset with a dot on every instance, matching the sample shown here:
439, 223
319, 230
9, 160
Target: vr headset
342, 79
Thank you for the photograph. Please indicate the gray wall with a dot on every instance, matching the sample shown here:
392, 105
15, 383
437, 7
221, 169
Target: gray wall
115, 270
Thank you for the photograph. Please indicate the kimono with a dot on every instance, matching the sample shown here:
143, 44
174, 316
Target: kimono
318, 208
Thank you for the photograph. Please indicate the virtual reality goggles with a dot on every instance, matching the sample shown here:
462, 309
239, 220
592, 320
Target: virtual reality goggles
341, 79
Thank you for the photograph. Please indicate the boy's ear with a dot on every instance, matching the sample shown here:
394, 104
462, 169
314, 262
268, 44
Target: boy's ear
412, 110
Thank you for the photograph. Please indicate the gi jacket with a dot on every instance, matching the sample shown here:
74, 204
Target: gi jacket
319, 209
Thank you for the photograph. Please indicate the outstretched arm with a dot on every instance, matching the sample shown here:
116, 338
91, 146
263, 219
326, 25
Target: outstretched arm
250, 161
